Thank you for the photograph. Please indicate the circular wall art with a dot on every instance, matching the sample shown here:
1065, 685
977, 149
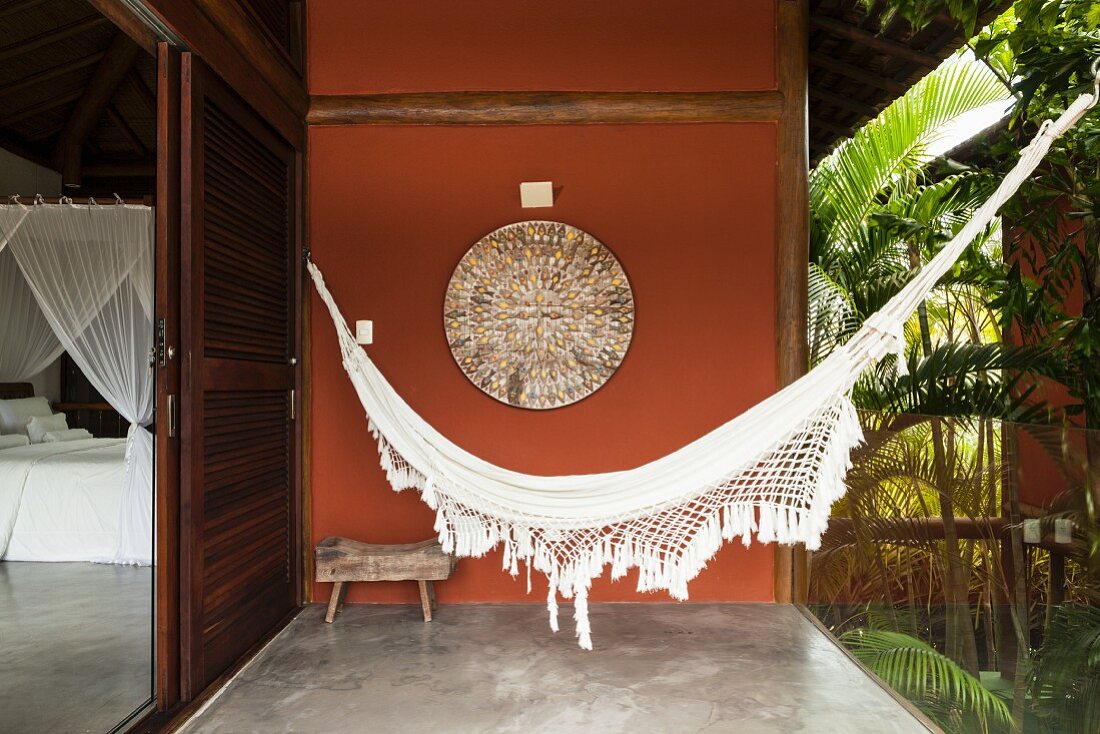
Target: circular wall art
538, 314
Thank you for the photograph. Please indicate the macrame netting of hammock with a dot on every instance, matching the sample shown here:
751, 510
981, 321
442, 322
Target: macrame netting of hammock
773, 471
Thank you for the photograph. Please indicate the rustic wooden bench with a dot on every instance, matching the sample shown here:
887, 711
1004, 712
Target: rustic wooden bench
343, 561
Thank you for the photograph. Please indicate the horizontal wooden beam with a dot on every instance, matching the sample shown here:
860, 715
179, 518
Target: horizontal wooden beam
856, 73
921, 530
878, 43
121, 169
543, 108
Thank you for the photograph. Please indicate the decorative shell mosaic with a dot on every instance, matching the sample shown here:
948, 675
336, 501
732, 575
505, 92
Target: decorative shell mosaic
539, 314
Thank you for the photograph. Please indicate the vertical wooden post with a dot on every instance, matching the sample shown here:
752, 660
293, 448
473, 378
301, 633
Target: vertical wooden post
792, 237
168, 379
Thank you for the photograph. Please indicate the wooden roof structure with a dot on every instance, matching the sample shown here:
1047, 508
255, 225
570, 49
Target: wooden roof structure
77, 95
859, 64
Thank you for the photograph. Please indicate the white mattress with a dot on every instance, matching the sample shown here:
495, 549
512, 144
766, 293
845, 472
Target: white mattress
60, 501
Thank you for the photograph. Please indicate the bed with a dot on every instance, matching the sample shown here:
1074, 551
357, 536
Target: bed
60, 501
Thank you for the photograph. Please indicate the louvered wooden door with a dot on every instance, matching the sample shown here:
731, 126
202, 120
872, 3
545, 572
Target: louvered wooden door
239, 450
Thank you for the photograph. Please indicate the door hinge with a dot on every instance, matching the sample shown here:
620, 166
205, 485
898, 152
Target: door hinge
293, 405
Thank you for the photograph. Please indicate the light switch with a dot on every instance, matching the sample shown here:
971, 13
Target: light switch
535, 194
364, 332
1063, 530
1033, 531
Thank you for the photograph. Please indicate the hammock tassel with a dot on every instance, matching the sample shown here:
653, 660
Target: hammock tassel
580, 616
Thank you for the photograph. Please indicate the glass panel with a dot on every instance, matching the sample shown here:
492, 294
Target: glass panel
960, 568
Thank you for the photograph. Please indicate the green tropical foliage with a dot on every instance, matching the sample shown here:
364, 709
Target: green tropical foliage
949, 695
923, 604
1066, 676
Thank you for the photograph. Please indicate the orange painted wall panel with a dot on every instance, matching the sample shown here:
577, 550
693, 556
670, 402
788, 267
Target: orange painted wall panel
689, 211
565, 45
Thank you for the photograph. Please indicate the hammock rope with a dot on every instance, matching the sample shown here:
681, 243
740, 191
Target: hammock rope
772, 472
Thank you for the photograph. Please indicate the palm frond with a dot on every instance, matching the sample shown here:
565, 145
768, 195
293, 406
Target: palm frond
846, 185
928, 678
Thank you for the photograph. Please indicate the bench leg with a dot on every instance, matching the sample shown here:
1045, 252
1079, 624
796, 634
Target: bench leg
336, 601
426, 595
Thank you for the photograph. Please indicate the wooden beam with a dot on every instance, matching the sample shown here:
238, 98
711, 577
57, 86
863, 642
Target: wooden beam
129, 23
855, 73
46, 75
272, 61
832, 127
852, 105
51, 36
127, 132
18, 6
282, 100
112, 69
870, 40
121, 169
37, 109
792, 231
543, 108
138, 84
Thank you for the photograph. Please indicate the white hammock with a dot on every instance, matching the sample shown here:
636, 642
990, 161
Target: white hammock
774, 471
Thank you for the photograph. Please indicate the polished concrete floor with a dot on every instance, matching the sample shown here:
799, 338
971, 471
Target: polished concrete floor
75, 646
497, 668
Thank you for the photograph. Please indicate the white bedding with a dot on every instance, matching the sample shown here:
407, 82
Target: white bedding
60, 501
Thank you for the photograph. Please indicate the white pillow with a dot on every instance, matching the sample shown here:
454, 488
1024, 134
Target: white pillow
15, 414
71, 434
39, 426
13, 441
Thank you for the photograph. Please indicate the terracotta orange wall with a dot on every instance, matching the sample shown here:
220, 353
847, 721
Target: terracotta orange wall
1039, 476
360, 46
688, 209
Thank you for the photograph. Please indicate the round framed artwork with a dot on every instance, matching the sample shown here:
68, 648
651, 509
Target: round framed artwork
538, 314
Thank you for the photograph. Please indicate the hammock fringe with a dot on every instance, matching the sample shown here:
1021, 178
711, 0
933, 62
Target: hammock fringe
472, 534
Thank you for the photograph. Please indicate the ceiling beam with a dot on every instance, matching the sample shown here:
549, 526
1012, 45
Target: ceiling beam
37, 109
543, 108
128, 22
121, 169
142, 90
856, 73
16, 6
51, 36
127, 132
842, 131
852, 105
870, 40
49, 74
112, 69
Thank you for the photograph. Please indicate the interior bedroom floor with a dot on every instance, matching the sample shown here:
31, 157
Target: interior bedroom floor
742, 668
75, 645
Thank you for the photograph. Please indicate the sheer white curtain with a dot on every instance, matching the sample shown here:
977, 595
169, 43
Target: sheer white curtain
90, 270
27, 343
